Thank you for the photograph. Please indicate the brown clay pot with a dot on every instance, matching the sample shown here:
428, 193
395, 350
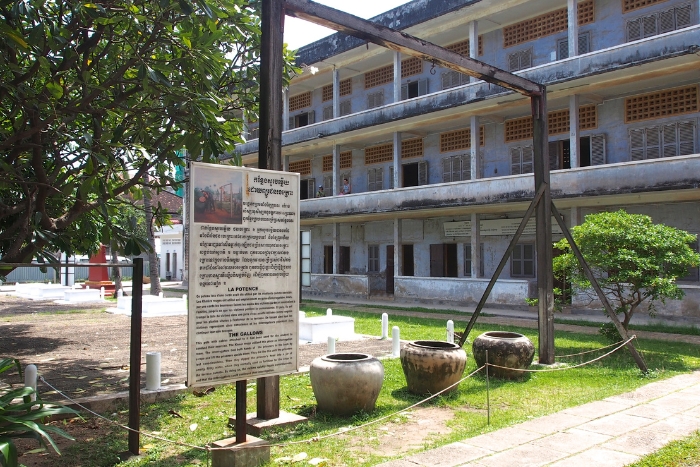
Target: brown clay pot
509, 350
431, 366
346, 383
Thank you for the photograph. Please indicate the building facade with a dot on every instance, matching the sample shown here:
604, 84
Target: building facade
439, 165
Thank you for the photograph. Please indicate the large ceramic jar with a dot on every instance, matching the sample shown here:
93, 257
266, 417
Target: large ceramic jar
509, 350
346, 383
431, 366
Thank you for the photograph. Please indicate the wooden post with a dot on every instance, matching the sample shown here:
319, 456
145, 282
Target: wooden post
545, 279
270, 155
135, 356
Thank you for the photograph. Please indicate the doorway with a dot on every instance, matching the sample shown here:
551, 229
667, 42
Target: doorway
407, 260
410, 174
328, 259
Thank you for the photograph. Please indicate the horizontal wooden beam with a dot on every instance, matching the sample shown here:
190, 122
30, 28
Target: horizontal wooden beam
407, 44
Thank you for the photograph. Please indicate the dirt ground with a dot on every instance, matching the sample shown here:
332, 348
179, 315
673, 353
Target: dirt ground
86, 354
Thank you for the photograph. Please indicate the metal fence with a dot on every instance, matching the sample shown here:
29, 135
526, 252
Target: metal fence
23, 275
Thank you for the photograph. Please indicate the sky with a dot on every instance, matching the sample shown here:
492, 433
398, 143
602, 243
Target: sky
298, 32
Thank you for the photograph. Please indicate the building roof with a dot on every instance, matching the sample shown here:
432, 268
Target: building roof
399, 18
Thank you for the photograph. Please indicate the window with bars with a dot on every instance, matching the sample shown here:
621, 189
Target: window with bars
658, 23
452, 79
546, 24
558, 121
414, 89
327, 93
412, 148
522, 260
302, 167
346, 161
667, 140
300, 101
345, 107
345, 88
468, 260
629, 5
375, 178
327, 112
584, 45
459, 139
462, 47
521, 160
327, 165
375, 99
456, 168
303, 119
372, 258
411, 66
380, 153
328, 185
660, 104
520, 60
379, 76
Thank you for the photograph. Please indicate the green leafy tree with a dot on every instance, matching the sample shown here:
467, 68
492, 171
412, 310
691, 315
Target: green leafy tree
634, 260
95, 95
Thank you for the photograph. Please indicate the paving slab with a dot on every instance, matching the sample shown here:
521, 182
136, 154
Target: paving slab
616, 424
571, 441
676, 402
654, 412
502, 439
526, 454
594, 410
598, 457
553, 423
449, 456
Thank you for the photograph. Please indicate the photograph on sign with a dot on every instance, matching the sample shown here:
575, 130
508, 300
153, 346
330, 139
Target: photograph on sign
244, 274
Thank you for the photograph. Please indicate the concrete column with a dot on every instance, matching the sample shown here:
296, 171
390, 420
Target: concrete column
475, 159
575, 217
336, 170
285, 109
397, 249
397, 158
473, 42
397, 76
285, 163
336, 93
574, 137
461, 258
572, 10
336, 247
476, 246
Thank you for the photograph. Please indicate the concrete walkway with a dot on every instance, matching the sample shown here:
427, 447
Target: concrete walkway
612, 432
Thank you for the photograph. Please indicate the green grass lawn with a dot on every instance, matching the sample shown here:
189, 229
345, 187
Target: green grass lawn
200, 420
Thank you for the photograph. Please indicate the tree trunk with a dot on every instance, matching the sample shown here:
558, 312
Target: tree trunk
152, 257
116, 270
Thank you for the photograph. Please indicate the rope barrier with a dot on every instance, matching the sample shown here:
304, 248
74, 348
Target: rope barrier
587, 351
208, 448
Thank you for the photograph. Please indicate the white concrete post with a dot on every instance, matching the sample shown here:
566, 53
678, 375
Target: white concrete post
395, 341
397, 76
120, 293
331, 345
574, 139
450, 331
385, 326
336, 93
152, 371
476, 246
475, 159
30, 374
329, 312
184, 299
572, 11
102, 293
160, 294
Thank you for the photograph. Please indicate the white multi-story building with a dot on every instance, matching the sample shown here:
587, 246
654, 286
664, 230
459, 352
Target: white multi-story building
432, 208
